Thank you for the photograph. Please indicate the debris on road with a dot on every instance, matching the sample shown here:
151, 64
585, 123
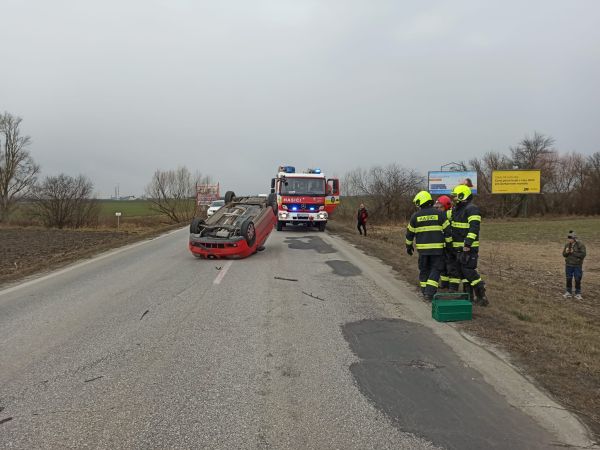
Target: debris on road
93, 379
145, 312
313, 296
285, 279
8, 419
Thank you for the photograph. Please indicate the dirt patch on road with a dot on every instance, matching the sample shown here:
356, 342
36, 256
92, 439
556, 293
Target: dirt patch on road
28, 251
556, 342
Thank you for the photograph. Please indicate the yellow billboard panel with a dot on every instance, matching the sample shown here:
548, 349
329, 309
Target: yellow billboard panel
516, 181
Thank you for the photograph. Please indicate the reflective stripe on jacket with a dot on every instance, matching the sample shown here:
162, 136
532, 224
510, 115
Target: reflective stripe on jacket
430, 230
465, 225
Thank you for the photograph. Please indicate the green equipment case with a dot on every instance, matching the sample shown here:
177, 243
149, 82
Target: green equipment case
451, 307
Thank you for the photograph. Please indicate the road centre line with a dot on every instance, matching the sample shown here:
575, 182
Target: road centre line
222, 272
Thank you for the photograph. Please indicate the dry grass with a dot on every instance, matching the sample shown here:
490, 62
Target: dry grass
555, 341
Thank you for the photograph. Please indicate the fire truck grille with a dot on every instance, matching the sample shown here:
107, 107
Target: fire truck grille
303, 207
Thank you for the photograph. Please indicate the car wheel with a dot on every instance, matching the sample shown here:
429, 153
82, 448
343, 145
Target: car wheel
272, 202
279, 225
249, 232
322, 226
195, 225
229, 196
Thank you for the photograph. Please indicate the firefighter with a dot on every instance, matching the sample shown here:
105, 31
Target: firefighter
466, 221
444, 204
430, 230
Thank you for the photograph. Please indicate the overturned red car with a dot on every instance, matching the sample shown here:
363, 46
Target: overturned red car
237, 230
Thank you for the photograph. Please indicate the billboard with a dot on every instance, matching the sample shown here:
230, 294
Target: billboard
206, 193
443, 182
516, 181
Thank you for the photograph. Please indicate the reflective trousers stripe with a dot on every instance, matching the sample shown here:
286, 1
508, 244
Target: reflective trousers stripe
432, 283
476, 282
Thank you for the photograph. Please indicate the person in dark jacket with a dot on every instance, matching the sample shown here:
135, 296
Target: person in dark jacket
361, 218
466, 221
430, 230
574, 254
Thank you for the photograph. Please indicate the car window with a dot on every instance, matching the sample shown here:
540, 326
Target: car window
218, 203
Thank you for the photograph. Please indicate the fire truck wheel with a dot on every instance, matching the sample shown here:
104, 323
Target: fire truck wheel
229, 196
322, 226
279, 225
249, 232
195, 225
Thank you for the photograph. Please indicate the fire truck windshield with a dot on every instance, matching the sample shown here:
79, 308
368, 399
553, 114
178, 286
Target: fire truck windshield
303, 186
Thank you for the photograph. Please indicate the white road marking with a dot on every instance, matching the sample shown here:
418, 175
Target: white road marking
223, 272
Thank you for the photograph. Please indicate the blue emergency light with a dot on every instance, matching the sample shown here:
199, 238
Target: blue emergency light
287, 169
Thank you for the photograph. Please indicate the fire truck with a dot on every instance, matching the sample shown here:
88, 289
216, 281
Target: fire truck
306, 198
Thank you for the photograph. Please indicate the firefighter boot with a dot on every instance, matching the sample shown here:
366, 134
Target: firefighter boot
468, 289
480, 294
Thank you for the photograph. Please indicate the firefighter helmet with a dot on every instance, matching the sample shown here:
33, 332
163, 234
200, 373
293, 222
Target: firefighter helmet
422, 197
445, 201
462, 192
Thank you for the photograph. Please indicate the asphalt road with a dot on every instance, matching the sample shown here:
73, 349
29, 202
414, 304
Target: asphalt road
295, 347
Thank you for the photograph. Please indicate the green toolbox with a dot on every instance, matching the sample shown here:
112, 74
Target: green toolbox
451, 307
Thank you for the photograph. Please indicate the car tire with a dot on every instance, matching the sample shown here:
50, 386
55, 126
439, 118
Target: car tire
272, 202
195, 225
229, 196
322, 226
248, 231
279, 225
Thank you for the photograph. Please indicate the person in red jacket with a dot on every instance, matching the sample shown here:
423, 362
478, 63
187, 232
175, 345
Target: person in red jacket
361, 218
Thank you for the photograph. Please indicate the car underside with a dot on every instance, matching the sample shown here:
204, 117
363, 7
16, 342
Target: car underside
238, 229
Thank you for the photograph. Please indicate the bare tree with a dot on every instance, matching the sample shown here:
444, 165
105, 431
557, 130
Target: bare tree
172, 192
18, 171
536, 152
64, 201
388, 189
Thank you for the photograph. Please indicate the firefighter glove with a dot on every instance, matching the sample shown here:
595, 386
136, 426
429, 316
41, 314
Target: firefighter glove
410, 250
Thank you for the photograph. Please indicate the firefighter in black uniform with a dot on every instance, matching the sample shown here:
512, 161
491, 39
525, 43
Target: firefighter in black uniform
444, 204
430, 230
466, 221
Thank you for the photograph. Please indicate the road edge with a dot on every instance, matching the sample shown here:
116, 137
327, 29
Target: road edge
495, 368
39, 277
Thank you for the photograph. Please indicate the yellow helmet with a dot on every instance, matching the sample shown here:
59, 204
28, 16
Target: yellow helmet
422, 197
461, 192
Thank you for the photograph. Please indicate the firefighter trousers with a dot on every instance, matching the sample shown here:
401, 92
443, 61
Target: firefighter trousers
430, 268
464, 266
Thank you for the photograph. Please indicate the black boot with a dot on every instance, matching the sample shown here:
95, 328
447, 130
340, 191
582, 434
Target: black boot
468, 289
481, 297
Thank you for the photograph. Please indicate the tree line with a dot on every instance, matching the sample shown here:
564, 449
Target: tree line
66, 201
570, 183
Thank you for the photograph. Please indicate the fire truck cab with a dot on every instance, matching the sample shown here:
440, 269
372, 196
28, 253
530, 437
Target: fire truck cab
307, 198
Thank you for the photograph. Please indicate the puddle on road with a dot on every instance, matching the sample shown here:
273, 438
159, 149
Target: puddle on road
416, 379
343, 268
309, 243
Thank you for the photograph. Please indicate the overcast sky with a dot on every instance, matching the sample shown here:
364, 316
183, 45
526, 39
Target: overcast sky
117, 89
